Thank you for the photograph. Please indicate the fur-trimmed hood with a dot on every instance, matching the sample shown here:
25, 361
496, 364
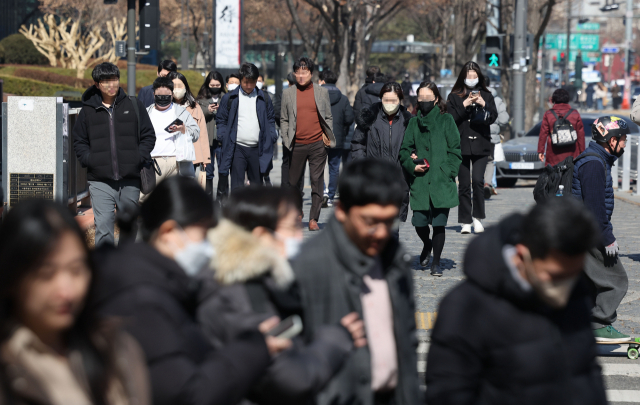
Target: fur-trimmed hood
240, 257
368, 115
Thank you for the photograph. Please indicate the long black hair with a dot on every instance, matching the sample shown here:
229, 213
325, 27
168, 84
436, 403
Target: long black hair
205, 91
442, 105
460, 88
176, 198
255, 206
188, 96
29, 234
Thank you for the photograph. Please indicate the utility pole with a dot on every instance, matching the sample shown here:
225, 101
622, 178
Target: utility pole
519, 67
184, 45
131, 47
567, 58
627, 55
543, 77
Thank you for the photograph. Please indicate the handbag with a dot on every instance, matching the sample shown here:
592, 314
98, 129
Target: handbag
202, 177
149, 169
185, 151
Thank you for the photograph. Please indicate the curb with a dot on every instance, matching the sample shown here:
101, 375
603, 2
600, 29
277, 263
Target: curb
627, 200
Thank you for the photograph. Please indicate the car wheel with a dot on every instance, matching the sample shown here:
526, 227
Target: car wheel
507, 182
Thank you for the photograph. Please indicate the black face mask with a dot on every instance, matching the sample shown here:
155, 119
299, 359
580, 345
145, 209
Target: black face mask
215, 90
163, 100
425, 107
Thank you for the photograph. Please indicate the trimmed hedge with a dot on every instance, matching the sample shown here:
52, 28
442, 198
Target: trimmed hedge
35, 88
18, 49
50, 77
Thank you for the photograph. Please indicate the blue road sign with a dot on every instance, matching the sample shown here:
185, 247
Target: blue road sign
610, 49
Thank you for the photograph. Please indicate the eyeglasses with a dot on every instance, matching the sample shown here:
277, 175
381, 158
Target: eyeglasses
373, 225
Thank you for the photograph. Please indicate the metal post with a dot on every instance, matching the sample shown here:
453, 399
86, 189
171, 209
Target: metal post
566, 61
131, 47
627, 54
519, 67
278, 72
626, 171
543, 70
242, 41
637, 139
184, 52
213, 34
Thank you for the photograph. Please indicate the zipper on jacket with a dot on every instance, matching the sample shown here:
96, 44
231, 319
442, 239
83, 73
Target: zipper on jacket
112, 143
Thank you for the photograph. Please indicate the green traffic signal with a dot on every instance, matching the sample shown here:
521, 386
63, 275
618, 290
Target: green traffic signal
492, 60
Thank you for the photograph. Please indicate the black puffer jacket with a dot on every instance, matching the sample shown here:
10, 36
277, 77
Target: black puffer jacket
157, 301
253, 283
367, 96
107, 142
342, 114
494, 343
475, 137
374, 137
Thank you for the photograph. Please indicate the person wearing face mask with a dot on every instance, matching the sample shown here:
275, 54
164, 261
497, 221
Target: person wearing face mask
517, 329
474, 110
209, 98
560, 108
153, 286
379, 134
432, 136
251, 280
164, 68
592, 184
182, 96
53, 349
163, 112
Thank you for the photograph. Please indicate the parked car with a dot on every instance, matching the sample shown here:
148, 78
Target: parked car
521, 154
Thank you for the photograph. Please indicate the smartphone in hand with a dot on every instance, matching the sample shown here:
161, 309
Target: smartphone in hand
177, 121
421, 162
288, 328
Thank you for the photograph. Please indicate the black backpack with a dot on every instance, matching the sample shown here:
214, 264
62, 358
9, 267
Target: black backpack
563, 133
553, 177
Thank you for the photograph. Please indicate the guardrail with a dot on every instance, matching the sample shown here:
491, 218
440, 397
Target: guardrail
77, 185
628, 165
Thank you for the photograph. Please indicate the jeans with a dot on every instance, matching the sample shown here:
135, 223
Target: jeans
334, 156
215, 150
608, 283
599, 104
468, 176
106, 197
245, 160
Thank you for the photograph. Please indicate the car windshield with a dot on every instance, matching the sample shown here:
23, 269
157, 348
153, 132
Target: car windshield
586, 123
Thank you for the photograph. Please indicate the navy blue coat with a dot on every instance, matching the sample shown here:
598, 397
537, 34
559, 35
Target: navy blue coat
146, 95
227, 121
592, 183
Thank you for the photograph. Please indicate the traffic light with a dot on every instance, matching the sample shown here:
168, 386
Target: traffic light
149, 24
493, 52
563, 59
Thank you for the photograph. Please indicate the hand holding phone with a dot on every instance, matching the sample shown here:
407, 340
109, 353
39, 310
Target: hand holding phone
288, 328
176, 125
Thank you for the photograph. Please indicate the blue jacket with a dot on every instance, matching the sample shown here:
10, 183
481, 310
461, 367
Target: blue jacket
593, 184
227, 121
146, 96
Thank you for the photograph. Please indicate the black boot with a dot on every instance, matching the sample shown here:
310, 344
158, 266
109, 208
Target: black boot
209, 187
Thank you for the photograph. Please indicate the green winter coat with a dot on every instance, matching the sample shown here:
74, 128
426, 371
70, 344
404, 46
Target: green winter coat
435, 137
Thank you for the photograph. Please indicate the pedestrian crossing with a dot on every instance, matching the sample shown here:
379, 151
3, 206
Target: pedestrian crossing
621, 375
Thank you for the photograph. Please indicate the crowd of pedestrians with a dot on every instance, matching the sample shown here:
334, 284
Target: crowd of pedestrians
214, 298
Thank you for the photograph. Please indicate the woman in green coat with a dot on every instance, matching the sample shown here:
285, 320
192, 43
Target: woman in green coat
431, 154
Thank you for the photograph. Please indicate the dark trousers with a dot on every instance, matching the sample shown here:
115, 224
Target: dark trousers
609, 282
334, 157
245, 160
286, 162
215, 150
316, 155
471, 174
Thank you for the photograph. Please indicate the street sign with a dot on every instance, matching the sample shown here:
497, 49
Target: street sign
583, 42
590, 26
610, 49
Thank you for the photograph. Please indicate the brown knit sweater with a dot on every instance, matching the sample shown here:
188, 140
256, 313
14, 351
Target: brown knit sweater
308, 128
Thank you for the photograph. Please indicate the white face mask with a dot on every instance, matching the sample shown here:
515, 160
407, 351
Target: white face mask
259, 85
556, 294
179, 93
194, 257
471, 82
291, 245
232, 87
390, 109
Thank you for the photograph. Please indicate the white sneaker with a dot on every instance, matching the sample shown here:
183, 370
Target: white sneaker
466, 229
477, 226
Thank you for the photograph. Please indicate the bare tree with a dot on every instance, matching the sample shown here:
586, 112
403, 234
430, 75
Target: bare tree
45, 38
470, 29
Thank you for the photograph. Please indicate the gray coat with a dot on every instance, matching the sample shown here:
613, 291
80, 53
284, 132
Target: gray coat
289, 111
330, 271
210, 118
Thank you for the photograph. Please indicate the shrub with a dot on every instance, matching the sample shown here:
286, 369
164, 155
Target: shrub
1, 53
51, 77
18, 49
28, 87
